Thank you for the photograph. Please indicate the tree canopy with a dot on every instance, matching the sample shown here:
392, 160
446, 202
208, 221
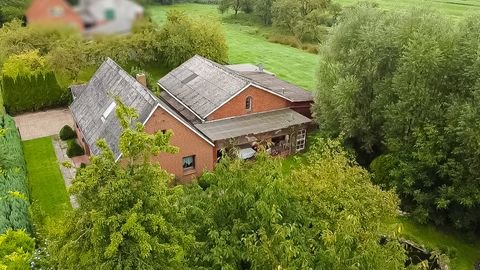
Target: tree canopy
128, 216
325, 215
181, 38
403, 86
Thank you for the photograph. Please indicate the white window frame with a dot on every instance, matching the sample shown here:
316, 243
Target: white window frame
301, 140
248, 101
193, 163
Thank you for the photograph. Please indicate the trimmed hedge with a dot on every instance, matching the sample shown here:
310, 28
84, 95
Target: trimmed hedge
14, 200
67, 133
27, 94
74, 149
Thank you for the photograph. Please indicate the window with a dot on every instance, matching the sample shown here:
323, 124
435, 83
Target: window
248, 103
108, 111
301, 139
110, 14
56, 11
188, 163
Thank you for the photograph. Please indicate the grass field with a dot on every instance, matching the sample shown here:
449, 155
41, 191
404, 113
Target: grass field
454, 8
47, 188
463, 253
247, 45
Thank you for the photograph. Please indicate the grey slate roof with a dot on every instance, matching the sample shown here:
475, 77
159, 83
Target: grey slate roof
252, 124
77, 89
247, 67
109, 81
178, 107
202, 85
280, 87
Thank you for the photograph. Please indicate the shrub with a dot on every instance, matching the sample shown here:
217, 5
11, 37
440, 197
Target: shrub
293, 42
74, 149
14, 202
67, 133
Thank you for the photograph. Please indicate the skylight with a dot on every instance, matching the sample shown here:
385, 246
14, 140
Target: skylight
108, 111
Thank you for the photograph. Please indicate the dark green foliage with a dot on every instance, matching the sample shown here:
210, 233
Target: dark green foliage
324, 215
12, 9
405, 86
74, 149
14, 202
67, 133
33, 93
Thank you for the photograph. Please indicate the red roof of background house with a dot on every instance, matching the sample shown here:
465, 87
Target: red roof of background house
53, 12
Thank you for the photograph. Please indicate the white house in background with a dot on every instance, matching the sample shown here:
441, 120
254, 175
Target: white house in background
109, 16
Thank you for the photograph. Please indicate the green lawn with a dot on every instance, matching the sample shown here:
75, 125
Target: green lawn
463, 253
45, 181
248, 45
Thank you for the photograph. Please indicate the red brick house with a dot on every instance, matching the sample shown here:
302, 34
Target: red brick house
53, 12
208, 106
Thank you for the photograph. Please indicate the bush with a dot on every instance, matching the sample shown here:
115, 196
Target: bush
74, 149
293, 42
14, 202
67, 133
33, 93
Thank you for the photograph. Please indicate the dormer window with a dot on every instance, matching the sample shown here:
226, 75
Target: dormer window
248, 104
108, 111
57, 11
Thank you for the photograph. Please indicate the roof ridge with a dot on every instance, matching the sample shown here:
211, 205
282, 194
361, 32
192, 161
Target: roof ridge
223, 68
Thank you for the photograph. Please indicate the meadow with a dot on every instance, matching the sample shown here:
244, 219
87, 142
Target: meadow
248, 42
247, 45
453, 8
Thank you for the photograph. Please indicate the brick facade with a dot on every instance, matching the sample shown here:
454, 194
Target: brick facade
188, 142
53, 12
262, 101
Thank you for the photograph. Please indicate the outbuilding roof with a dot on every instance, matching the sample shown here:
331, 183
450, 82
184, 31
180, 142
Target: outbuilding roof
202, 86
256, 123
94, 109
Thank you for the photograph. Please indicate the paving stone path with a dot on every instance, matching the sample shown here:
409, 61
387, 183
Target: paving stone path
68, 173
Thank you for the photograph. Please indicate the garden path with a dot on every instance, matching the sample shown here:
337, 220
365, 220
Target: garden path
43, 124
68, 173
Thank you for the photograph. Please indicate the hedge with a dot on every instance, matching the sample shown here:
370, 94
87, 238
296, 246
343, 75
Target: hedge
14, 201
33, 93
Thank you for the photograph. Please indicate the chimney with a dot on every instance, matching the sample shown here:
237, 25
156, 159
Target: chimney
260, 67
142, 79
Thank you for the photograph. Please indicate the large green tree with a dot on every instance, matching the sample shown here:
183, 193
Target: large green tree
404, 86
326, 214
128, 216
306, 19
182, 37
